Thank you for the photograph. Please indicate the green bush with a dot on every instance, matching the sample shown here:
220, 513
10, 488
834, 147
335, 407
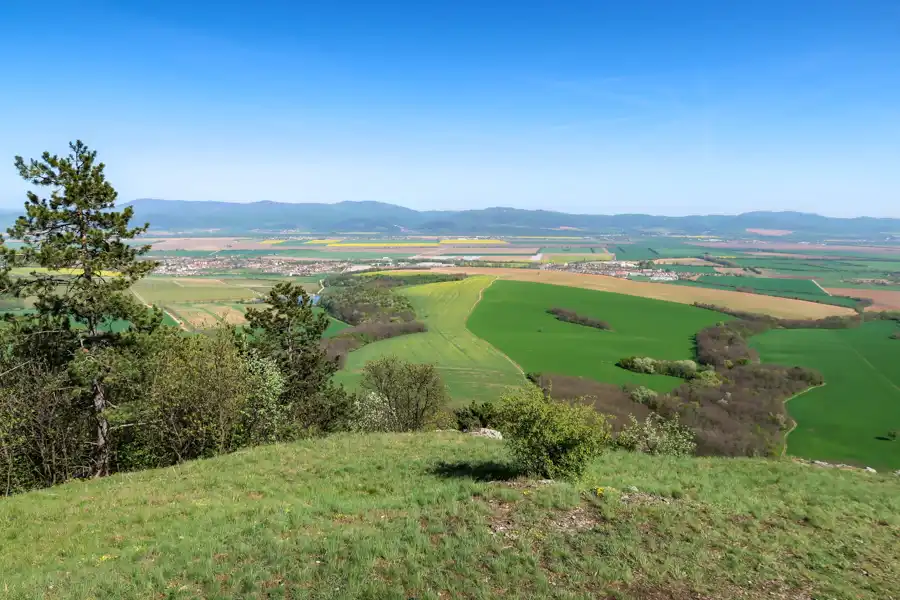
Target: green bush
643, 395
549, 438
656, 435
476, 416
404, 396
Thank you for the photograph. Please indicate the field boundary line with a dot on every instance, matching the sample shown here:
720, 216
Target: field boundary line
466, 325
145, 303
819, 285
794, 426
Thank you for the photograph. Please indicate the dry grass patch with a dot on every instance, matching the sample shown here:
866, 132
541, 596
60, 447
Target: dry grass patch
882, 299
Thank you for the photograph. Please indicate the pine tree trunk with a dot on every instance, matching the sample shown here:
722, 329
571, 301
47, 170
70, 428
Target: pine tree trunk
101, 452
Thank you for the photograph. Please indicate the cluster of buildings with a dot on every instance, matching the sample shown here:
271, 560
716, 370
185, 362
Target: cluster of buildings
621, 268
190, 265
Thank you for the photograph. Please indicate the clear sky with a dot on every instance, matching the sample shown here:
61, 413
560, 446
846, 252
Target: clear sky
668, 107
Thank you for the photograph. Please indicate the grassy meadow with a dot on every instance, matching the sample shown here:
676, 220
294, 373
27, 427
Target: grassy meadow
472, 368
442, 515
513, 317
844, 420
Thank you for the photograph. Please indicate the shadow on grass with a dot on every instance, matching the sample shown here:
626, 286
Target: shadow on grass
479, 471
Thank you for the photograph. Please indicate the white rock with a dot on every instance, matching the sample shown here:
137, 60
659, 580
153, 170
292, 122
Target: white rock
870, 470
488, 433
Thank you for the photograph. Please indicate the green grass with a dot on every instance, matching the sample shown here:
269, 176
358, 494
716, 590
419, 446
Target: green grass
406, 516
512, 316
472, 369
860, 401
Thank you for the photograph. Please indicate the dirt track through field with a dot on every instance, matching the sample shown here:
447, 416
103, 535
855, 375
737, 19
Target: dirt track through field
771, 305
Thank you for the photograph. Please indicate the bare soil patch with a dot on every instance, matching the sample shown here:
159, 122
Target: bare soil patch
770, 305
211, 244
882, 299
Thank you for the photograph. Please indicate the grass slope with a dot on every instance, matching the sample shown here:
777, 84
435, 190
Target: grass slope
861, 399
472, 369
513, 317
410, 516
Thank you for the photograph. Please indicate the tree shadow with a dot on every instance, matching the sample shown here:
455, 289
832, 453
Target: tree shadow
478, 470
883, 438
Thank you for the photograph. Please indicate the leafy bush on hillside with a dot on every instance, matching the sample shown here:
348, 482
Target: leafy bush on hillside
570, 316
408, 395
643, 395
656, 435
550, 438
476, 416
685, 369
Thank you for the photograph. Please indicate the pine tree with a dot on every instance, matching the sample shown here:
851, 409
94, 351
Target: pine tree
75, 242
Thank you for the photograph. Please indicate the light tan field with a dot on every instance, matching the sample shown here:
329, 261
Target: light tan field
770, 232
194, 317
211, 244
778, 307
230, 315
478, 250
883, 299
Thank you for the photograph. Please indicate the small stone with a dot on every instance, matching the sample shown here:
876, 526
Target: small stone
897, 472
632, 489
488, 433
870, 470
821, 463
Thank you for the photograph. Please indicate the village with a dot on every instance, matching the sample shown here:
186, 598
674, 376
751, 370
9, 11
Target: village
623, 269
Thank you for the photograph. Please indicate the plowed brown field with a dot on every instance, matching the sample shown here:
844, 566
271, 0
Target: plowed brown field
883, 299
779, 307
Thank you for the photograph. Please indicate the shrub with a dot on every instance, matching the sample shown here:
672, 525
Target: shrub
656, 435
413, 393
476, 416
549, 438
264, 418
643, 395
639, 364
893, 435
371, 413
570, 316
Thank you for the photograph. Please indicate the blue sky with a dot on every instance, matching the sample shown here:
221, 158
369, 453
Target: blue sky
667, 107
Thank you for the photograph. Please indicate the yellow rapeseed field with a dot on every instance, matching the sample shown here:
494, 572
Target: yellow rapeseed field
382, 245
469, 242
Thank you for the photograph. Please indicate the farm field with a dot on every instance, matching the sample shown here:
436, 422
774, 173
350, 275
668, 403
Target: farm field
472, 368
882, 299
513, 317
860, 401
802, 289
771, 305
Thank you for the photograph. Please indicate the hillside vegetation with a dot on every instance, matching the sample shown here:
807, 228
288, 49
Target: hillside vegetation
471, 367
416, 516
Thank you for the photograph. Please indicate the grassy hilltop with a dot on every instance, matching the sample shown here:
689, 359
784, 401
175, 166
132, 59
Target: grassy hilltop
441, 515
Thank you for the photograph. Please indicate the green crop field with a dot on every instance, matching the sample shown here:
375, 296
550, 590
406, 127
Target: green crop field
512, 316
764, 285
860, 402
472, 369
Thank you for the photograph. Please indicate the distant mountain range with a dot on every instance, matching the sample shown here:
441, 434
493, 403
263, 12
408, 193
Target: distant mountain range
236, 218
